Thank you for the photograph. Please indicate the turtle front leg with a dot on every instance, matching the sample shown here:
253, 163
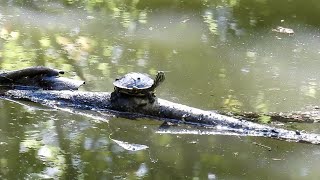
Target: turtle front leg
151, 97
114, 95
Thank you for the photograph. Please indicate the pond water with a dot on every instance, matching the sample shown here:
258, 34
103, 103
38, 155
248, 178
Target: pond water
217, 55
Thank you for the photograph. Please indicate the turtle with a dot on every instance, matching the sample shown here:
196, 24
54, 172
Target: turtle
138, 84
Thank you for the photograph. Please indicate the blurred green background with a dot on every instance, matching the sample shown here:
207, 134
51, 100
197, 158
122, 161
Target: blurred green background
217, 55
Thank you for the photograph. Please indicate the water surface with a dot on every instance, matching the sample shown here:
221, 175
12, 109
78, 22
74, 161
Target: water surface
217, 55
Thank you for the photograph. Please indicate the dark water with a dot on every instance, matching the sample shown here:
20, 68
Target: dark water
217, 55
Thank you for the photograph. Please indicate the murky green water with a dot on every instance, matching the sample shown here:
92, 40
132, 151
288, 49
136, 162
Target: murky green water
217, 55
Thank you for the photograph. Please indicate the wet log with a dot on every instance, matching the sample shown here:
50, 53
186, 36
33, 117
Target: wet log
129, 106
160, 109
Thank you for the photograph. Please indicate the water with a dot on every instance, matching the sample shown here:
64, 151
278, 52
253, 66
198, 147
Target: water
217, 55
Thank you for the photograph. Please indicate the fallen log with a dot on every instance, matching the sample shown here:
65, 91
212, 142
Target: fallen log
162, 109
131, 106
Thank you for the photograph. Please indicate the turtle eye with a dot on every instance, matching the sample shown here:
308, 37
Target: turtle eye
138, 78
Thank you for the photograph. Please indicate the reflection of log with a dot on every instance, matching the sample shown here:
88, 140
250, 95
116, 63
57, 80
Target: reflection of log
128, 106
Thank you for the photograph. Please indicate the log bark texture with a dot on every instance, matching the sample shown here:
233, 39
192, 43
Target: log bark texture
163, 109
45, 83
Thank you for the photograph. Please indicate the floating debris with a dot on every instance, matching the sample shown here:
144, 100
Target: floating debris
129, 146
283, 30
277, 159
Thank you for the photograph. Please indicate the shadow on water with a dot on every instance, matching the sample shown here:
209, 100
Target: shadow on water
217, 54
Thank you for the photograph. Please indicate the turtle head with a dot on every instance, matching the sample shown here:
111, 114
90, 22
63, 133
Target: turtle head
160, 77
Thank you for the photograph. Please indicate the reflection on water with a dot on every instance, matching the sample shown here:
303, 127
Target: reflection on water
216, 54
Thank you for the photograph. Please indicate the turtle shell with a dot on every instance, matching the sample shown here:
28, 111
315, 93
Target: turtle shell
134, 81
